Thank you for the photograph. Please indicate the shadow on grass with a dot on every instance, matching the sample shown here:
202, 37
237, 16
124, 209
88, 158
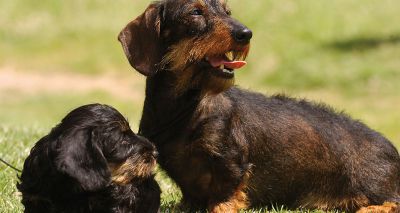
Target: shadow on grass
363, 44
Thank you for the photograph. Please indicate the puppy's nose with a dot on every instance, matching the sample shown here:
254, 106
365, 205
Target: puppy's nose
155, 154
242, 35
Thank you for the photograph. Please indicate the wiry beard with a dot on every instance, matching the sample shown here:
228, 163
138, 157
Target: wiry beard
182, 61
213, 85
200, 79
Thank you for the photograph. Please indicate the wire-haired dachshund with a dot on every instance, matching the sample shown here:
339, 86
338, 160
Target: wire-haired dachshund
228, 148
91, 162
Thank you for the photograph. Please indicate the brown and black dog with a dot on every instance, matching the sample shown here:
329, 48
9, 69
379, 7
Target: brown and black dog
229, 148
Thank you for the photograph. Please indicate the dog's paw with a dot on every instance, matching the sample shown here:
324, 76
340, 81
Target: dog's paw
387, 207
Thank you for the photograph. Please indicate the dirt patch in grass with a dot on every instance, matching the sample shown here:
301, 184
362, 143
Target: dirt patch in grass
30, 82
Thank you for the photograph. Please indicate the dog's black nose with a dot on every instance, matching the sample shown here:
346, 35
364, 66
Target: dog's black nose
242, 35
155, 154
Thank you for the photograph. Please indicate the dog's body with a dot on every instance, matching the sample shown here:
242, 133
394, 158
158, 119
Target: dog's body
90, 162
229, 148
277, 150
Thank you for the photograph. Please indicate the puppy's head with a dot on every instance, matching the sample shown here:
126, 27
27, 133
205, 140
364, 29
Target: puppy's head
137, 166
197, 40
94, 145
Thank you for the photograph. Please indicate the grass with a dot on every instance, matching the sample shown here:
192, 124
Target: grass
344, 53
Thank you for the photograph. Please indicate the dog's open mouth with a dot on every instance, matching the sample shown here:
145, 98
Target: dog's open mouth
226, 64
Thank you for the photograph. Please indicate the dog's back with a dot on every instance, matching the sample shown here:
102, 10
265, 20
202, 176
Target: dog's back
44, 189
307, 155
35, 180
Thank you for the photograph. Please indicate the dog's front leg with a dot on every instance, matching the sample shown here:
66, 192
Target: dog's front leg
236, 202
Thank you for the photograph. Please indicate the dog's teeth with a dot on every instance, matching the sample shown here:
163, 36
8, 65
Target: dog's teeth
235, 54
222, 67
227, 71
238, 55
229, 55
241, 56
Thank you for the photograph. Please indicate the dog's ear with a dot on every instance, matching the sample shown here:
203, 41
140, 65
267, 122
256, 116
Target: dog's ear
80, 157
141, 41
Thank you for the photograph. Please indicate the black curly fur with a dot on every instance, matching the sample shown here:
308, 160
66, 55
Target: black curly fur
68, 169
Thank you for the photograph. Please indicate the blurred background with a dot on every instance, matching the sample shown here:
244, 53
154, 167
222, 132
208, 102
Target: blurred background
56, 55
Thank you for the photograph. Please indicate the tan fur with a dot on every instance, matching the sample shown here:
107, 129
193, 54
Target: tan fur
236, 202
215, 85
186, 80
318, 201
124, 173
233, 205
187, 51
387, 207
202, 3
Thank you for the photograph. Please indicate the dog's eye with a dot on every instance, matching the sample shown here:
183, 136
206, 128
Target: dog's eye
228, 12
196, 12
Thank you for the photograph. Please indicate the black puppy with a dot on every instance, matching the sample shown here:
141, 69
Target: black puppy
91, 162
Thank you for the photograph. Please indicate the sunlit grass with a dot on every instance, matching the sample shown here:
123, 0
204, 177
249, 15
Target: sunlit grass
344, 53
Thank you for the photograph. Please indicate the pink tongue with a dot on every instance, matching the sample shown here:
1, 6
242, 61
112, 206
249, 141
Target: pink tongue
234, 64
228, 64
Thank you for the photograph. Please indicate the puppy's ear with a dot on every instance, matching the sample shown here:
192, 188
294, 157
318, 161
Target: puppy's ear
141, 42
79, 157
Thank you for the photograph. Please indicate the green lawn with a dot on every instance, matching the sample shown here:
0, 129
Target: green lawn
345, 53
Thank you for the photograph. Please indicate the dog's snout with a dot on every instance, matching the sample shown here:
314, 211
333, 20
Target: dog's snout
242, 34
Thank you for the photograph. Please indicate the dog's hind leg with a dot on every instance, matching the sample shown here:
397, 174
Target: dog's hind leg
387, 207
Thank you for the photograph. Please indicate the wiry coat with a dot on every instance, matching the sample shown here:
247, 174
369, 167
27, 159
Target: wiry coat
229, 148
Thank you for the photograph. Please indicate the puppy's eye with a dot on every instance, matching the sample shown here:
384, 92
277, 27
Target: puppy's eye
228, 12
196, 12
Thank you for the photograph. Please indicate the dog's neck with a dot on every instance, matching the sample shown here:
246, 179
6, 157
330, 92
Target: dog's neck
164, 111
162, 87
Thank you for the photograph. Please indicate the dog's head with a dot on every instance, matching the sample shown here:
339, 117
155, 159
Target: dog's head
198, 40
94, 145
